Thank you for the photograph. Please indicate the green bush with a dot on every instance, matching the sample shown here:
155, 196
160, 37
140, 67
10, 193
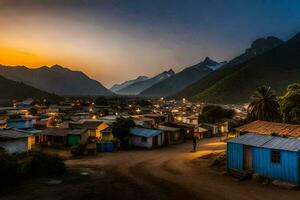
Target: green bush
42, 164
78, 150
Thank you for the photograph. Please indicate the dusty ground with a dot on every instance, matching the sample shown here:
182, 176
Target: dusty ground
168, 173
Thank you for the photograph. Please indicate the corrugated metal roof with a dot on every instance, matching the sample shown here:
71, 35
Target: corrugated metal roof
252, 139
287, 144
77, 131
264, 127
168, 128
144, 132
12, 134
268, 141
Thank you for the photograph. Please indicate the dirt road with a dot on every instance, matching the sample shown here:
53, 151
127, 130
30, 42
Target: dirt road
173, 172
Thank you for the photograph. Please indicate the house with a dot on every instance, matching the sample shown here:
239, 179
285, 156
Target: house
54, 137
77, 136
42, 124
146, 138
186, 129
172, 135
140, 120
269, 156
22, 124
63, 137
190, 120
107, 134
3, 124
201, 133
268, 128
158, 118
26, 103
213, 130
94, 127
16, 141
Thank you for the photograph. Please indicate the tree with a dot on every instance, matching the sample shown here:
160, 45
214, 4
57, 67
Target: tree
214, 113
290, 104
264, 105
121, 128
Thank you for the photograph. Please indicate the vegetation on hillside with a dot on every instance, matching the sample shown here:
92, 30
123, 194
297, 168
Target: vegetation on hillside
265, 105
234, 83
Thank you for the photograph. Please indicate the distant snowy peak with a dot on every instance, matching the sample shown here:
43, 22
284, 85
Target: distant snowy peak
217, 66
117, 87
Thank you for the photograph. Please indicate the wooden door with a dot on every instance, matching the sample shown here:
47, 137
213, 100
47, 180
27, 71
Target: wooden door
248, 158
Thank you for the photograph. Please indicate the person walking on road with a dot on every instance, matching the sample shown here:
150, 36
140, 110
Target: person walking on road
194, 144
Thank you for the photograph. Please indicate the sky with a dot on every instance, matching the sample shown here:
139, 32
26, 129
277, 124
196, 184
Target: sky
116, 40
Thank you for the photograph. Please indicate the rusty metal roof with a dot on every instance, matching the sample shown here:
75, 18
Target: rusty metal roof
268, 128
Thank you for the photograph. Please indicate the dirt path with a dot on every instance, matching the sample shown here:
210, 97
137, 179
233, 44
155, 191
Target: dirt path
167, 173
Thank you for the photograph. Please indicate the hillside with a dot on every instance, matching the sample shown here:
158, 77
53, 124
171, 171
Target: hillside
55, 79
116, 87
276, 68
137, 88
257, 48
182, 79
12, 90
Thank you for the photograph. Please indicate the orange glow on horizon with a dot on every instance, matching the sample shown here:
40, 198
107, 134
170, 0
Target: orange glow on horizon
13, 57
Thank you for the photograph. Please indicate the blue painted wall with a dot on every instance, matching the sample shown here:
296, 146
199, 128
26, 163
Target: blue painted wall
286, 170
235, 156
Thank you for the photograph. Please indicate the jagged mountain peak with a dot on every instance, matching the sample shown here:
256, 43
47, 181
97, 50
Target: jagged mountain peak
209, 62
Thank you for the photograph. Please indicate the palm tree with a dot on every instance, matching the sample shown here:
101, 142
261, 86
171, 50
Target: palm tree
264, 105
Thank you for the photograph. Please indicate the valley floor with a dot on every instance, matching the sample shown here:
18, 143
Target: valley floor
167, 173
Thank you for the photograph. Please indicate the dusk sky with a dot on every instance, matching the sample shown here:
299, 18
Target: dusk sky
116, 40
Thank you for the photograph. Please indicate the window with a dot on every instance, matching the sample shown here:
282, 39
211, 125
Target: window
144, 139
275, 156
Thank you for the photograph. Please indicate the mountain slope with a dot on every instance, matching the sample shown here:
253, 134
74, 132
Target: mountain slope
12, 90
276, 68
182, 79
116, 87
137, 88
258, 47
55, 79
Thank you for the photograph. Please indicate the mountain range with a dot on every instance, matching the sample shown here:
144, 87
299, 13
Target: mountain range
138, 87
117, 87
12, 90
56, 79
182, 79
269, 62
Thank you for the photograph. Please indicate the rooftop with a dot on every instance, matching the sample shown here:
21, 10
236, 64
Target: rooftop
144, 132
12, 134
268, 128
268, 141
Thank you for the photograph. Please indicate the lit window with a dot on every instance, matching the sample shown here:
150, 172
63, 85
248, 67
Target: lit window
275, 156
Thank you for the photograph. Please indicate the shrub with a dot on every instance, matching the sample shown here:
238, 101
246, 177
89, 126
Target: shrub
78, 150
42, 164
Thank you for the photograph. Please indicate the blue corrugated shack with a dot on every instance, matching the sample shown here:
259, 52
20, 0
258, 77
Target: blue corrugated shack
146, 137
270, 156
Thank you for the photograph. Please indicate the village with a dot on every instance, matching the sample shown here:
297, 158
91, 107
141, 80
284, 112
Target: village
162, 143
